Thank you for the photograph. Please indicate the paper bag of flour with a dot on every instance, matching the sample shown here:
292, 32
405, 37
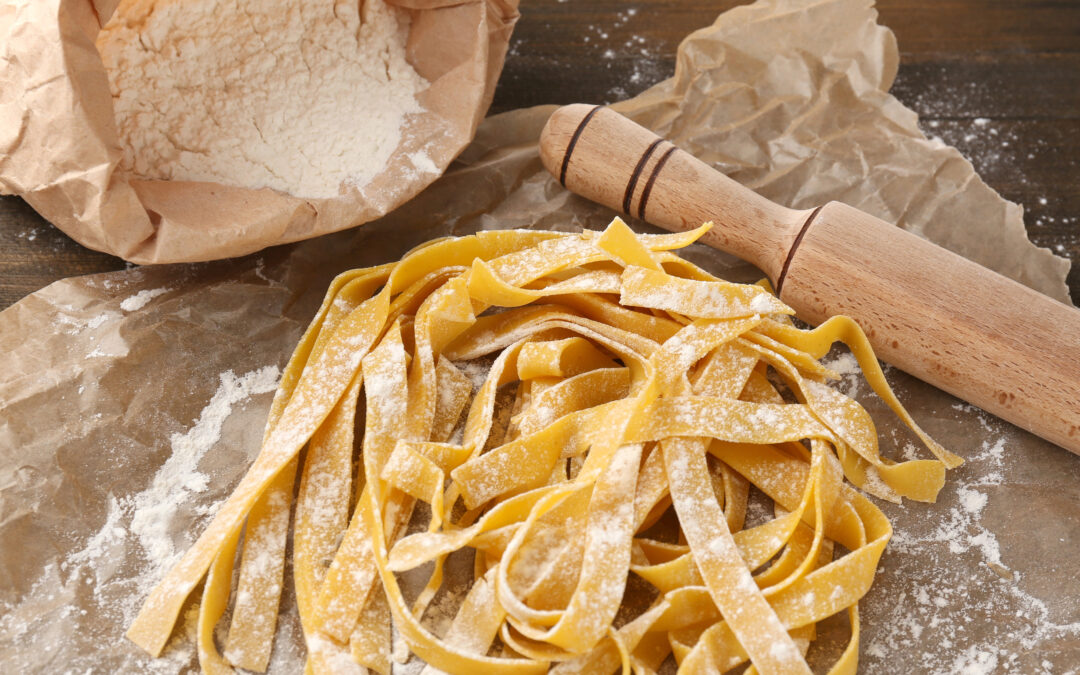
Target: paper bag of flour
60, 146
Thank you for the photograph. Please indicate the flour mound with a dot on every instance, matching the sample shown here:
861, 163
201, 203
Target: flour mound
302, 97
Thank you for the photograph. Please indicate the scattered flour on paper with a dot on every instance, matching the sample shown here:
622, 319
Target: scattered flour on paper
73, 325
180, 477
146, 518
932, 619
148, 513
299, 97
134, 303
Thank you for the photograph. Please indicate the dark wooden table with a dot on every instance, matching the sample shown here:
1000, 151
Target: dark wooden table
998, 79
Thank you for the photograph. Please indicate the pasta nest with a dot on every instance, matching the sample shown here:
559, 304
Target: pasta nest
559, 411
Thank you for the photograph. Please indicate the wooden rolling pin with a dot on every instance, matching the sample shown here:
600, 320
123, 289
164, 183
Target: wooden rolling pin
955, 324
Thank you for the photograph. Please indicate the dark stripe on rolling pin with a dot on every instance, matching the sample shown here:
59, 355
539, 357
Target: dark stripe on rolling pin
637, 174
652, 179
791, 251
573, 142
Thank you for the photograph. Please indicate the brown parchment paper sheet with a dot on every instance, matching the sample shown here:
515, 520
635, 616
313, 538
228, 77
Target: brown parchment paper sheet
59, 148
92, 396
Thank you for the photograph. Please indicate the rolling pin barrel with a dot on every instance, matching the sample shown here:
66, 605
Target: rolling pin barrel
959, 326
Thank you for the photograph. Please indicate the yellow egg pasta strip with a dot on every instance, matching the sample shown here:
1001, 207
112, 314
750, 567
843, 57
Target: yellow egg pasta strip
608, 311
559, 253
345, 294
526, 463
703, 299
215, 599
370, 642
560, 358
756, 546
322, 505
478, 620
852, 424
562, 551
671, 612
262, 572
445, 657
829, 589
585, 390
486, 286
442, 317
454, 391
726, 420
651, 491
626, 248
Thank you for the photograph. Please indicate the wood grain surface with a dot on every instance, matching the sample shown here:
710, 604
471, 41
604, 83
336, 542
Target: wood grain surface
998, 79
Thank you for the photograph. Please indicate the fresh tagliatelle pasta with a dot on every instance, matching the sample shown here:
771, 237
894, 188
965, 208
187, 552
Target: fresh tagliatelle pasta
626, 404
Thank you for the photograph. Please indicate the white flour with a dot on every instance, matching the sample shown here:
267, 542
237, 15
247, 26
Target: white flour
299, 97
952, 601
147, 516
133, 303
94, 592
179, 477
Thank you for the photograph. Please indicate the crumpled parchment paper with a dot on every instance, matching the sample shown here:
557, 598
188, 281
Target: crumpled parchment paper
60, 152
103, 377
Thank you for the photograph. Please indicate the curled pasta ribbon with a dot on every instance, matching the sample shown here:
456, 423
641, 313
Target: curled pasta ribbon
562, 411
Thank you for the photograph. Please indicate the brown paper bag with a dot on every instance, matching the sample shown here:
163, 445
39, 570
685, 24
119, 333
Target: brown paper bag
59, 148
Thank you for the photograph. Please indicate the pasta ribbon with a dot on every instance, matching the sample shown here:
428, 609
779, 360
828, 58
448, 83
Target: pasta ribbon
539, 415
